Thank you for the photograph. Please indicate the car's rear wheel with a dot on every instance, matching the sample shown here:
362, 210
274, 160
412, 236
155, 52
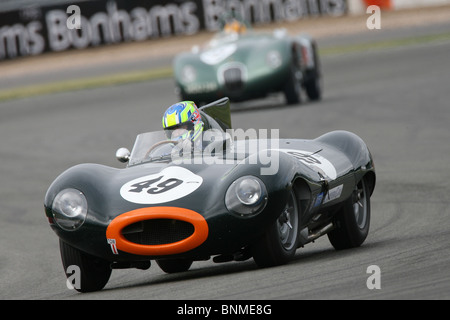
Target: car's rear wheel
174, 265
352, 220
278, 245
94, 272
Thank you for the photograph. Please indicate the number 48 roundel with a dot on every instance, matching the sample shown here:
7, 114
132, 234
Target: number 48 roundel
170, 184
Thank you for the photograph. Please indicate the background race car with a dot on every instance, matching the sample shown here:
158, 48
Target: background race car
242, 64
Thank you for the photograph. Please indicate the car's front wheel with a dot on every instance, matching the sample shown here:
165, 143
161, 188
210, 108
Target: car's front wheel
314, 81
314, 86
278, 245
292, 89
94, 272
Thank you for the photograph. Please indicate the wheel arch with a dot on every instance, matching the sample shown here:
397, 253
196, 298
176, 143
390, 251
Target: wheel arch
303, 193
370, 180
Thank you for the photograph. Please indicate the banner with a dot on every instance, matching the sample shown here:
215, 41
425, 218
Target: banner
34, 30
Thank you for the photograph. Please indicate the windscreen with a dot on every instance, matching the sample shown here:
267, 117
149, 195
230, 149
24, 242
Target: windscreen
170, 145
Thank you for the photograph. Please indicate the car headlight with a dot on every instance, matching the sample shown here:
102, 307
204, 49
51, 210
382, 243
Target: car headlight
246, 196
274, 59
69, 209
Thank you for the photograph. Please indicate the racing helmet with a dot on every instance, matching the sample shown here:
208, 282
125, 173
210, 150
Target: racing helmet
183, 121
234, 26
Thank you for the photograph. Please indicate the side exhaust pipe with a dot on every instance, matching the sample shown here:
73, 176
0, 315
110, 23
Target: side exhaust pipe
306, 236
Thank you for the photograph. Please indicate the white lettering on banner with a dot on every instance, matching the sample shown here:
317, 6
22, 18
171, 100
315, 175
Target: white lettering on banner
264, 11
21, 40
116, 25
68, 28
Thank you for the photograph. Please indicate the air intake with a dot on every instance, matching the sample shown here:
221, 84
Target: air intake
158, 231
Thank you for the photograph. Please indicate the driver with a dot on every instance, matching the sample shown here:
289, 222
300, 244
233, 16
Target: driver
234, 26
183, 123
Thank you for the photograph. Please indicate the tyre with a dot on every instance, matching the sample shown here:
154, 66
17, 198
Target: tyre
352, 220
292, 90
314, 84
174, 265
278, 245
94, 272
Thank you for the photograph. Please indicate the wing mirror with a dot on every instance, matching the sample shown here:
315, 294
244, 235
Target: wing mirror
123, 155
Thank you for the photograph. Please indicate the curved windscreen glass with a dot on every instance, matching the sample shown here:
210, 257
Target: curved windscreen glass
158, 146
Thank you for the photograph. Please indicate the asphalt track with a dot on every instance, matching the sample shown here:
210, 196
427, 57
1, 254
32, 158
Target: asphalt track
396, 99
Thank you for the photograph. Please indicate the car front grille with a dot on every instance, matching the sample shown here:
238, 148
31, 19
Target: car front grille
158, 231
233, 78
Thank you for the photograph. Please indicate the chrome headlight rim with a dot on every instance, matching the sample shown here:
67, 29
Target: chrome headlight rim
69, 209
248, 206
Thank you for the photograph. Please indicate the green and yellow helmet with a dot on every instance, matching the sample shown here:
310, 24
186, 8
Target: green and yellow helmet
182, 121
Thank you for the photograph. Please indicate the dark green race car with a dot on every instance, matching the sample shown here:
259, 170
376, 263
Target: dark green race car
236, 198
250, 65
